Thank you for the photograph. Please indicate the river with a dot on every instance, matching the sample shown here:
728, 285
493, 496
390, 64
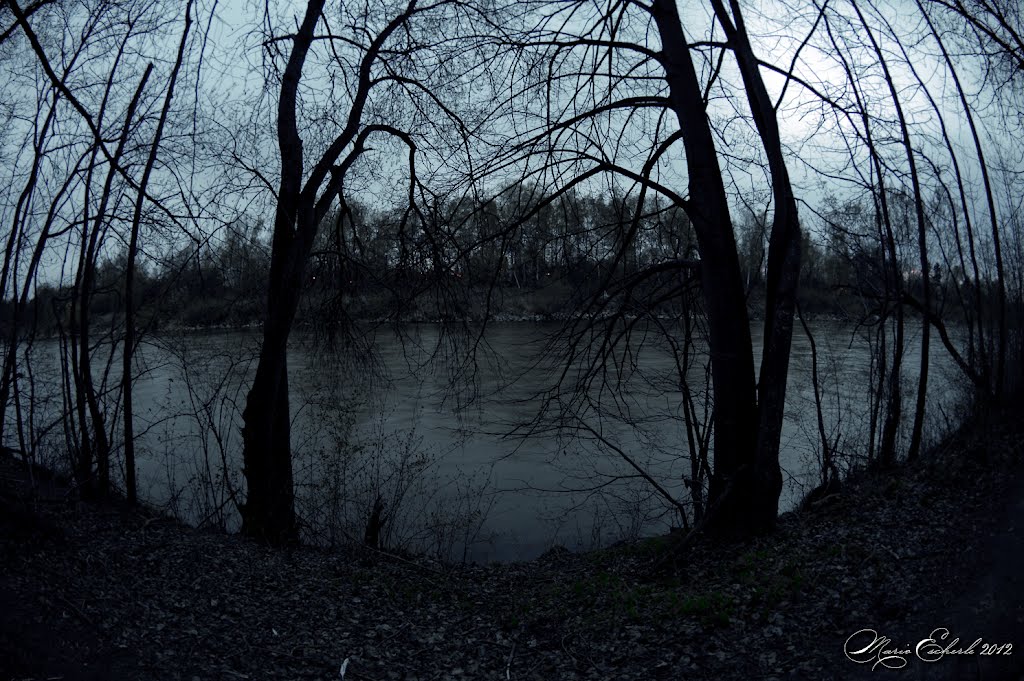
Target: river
450, 437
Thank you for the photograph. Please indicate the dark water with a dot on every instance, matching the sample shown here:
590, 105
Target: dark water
439, 431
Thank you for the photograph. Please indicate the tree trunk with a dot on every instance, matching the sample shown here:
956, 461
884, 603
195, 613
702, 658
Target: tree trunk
781, 281
269, 510
736, 494
268, 513
129, 277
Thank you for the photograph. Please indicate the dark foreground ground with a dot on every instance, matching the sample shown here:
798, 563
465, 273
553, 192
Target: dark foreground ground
93, 593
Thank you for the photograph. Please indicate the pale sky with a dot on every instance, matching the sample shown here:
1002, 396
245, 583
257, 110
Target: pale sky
241, 118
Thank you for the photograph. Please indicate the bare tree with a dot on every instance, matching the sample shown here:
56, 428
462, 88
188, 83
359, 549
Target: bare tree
375, 59
129, 280
608, 53
100, 113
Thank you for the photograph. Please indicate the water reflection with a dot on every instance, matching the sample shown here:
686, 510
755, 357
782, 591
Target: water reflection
440, 431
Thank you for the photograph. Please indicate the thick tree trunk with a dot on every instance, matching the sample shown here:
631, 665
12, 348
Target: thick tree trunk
782, 279
737, 497
269, 511
747, 480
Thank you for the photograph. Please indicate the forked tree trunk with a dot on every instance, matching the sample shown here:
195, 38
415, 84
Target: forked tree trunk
781, 282
735, 495
269, 510
268, 513
747, 480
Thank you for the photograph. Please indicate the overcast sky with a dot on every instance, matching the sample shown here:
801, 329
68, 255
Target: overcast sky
234, 111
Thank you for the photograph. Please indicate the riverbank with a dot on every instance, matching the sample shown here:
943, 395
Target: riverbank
102, 593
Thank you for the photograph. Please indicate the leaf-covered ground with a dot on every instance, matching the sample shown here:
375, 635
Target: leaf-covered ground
100, 593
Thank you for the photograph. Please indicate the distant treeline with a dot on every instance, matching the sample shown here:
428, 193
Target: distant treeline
507, 258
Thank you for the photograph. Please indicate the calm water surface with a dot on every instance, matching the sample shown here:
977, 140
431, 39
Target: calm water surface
450, 439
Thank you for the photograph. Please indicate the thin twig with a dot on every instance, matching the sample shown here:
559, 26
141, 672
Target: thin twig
508, 664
